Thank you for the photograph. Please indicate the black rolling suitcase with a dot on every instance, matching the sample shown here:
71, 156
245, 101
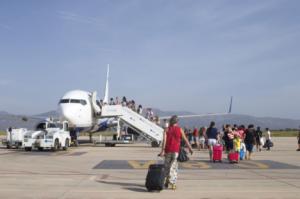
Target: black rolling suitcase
155, 177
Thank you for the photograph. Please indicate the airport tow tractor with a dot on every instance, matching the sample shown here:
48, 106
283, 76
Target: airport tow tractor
48, 135
14, 138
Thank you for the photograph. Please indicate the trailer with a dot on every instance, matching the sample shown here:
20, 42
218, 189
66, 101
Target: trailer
111, 141
14, 137
30, 138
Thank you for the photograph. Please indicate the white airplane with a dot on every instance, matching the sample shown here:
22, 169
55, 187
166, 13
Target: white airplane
82, 110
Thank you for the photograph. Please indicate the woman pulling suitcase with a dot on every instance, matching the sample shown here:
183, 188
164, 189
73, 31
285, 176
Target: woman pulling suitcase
171, 148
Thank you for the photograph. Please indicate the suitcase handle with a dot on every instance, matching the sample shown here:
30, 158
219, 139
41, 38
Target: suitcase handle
158, 158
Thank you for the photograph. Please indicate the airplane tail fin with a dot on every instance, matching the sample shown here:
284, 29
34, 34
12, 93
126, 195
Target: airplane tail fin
230, 106
105, 100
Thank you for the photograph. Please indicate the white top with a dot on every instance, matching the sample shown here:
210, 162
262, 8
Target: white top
268, 135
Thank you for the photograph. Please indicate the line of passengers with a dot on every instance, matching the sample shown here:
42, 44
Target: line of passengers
233, 138
149, 114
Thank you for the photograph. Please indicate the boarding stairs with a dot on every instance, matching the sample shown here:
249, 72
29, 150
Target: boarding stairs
143, 126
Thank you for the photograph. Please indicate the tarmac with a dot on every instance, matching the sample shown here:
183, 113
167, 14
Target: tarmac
119, 172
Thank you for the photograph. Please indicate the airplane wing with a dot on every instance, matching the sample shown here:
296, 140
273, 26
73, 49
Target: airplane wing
191, 116
201, 115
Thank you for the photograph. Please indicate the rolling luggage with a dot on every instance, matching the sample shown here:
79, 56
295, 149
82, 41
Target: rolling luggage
155, 177
217, 152
233, 157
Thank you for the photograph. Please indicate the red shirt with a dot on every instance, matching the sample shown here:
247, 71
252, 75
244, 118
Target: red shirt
173, 139
195, 133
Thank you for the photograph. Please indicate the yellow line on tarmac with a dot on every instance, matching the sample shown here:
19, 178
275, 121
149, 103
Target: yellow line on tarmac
252, 165
138, 165
195, 165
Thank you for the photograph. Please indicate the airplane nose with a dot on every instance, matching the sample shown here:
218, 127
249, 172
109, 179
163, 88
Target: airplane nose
67, 113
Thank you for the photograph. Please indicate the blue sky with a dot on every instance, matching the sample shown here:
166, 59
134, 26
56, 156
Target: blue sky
174, 55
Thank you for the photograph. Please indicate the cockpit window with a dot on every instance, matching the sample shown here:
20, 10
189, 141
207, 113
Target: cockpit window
77, 101
83, 102
64, 101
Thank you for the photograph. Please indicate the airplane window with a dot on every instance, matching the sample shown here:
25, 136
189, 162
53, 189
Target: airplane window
66, 127
51, 125
63, 101
83, 102
75, 101
41, 126
59, 125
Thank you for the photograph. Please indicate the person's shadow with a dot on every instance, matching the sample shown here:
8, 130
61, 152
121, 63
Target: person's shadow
128, 186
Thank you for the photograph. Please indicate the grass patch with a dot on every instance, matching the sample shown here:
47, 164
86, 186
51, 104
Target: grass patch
284, 133
2, 133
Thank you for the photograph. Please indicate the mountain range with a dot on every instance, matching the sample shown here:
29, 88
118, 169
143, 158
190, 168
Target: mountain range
23, 121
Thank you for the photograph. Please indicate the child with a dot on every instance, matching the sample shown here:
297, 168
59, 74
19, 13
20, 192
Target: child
237, 144
242, 151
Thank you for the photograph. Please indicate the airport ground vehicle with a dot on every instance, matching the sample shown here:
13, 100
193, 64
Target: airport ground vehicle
109, 141
29, 139
48, 135
14, 137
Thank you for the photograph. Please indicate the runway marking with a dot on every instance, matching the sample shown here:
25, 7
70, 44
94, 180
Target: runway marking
140, 165
252, 165
195, 165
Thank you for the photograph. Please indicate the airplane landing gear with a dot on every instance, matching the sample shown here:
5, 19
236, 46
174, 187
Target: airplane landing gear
155, 144
74, 140
90, 136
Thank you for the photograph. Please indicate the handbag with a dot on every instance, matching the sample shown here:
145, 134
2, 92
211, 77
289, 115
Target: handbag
182, 156
268, 143
271, 144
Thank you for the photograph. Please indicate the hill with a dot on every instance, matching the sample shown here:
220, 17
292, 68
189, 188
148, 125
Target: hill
263, 122
53, 114
17, 121
23, 121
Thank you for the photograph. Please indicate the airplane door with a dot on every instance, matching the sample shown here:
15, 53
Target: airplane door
96, 108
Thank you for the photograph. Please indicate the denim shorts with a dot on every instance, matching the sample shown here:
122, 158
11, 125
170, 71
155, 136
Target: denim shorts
249, 147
